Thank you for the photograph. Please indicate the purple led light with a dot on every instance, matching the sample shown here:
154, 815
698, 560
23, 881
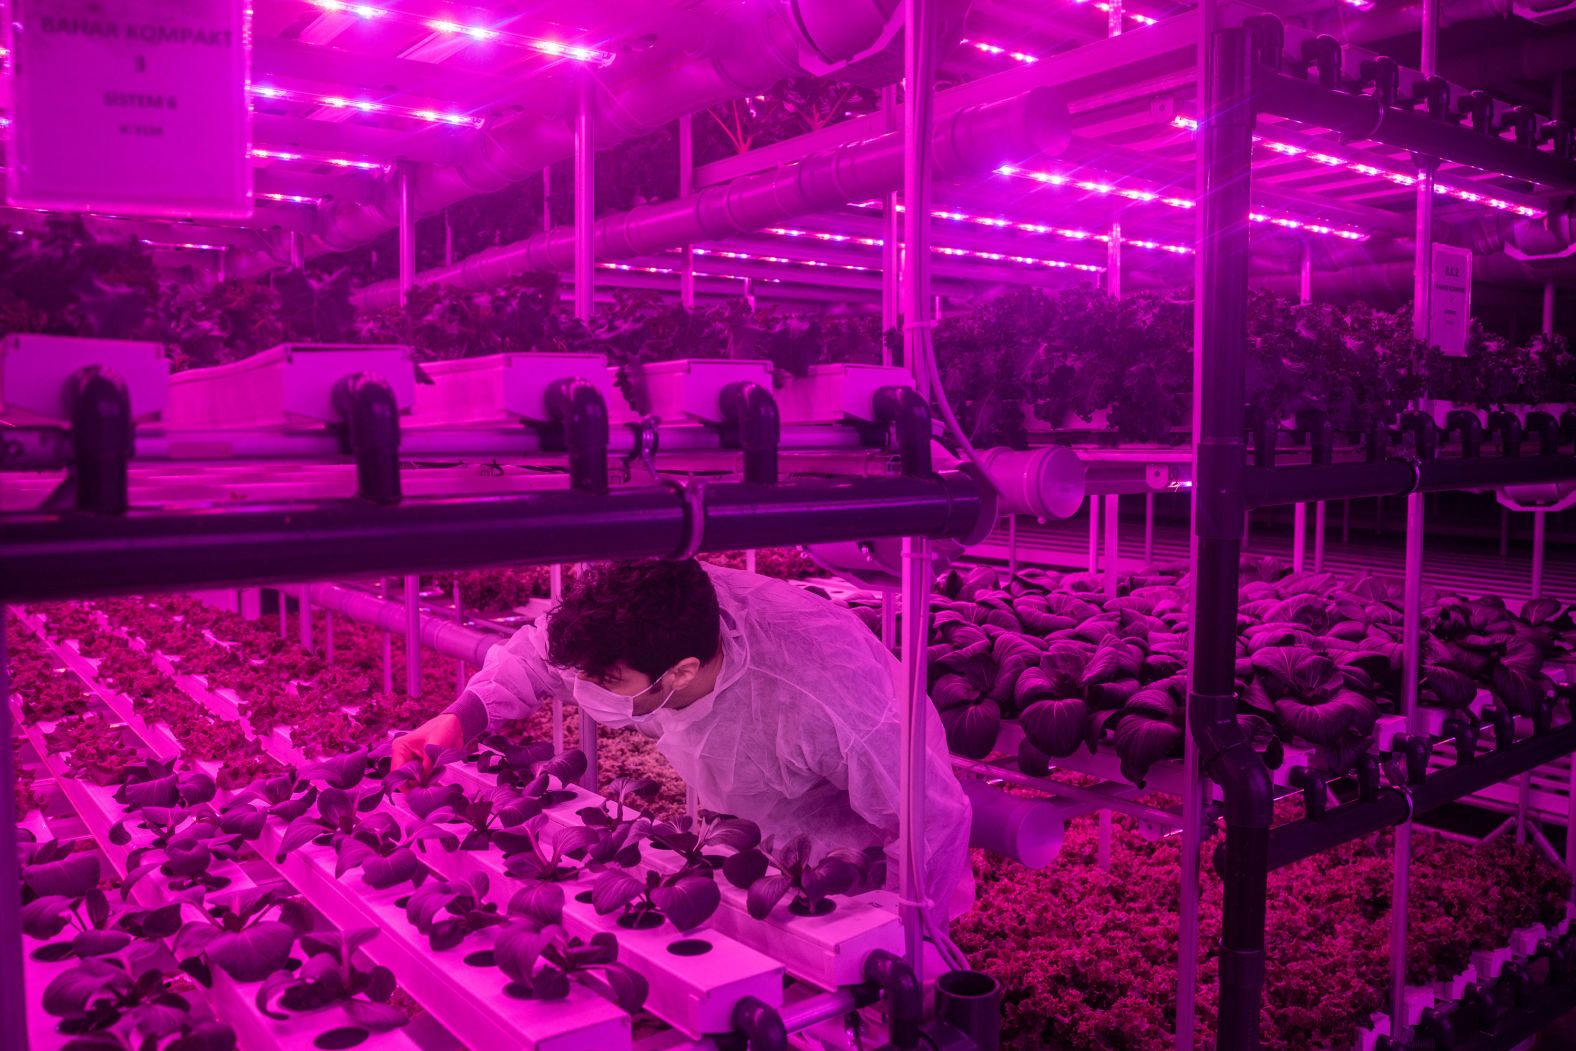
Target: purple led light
478, 33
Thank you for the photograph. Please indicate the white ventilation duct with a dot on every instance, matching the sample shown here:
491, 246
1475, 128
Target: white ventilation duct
972, 141
769, 42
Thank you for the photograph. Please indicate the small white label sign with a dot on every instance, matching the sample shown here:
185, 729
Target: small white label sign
131, 107
1451, 300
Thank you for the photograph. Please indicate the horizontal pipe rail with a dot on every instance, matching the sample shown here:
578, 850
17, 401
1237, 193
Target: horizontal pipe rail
439, 635
53, 556
1365, 118
1267, 486
1302, 839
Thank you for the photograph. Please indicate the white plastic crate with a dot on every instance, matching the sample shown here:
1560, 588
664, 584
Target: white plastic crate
501, 388
688, 389
834, 393
34, 370
289, 385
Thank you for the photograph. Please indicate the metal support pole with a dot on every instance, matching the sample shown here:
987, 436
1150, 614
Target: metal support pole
1411, 660
1524, 789
413, 637
13, 996
585, 198
297, 249
388, 644
749, 292
1094, 534
407, 230
1318, 537
917, 580
1113, 247
555, 593
305, 606
284, 615
1149, 529
687, 187
891, 241
889, 601
1299, 536
328, 636
1012, 545
1111, 524
749, 560
462, 675
1212, 734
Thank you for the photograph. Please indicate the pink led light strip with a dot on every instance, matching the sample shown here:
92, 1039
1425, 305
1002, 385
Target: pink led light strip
315, 158
997, 223
1399, 178
875, 242
1146, 197
481, 34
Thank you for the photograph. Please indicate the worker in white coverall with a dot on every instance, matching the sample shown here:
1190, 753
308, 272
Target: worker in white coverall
772, 704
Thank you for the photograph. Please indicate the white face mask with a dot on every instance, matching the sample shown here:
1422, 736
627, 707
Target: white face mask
615, 710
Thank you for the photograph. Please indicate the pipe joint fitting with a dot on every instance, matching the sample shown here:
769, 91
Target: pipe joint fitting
581, 414
907, 414
904, 998
759, 1025
751, 422
369, 415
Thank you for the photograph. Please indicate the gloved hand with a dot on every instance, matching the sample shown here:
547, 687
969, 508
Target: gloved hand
442, 730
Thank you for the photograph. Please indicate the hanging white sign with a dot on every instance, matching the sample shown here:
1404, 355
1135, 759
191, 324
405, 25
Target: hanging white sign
131, 107
1451, 300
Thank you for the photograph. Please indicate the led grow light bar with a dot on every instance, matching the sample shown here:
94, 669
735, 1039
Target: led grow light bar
290, 156
430, 116
1330, 160
481, 34
998, 223
1171, 201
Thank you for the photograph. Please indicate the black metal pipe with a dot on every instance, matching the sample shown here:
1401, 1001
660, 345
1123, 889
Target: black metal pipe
1226, 139
1302, 839
1346, 481
1365, 117
904, 998
370, 418
752, 423
760, 1025
581, 414
971, 1002
48, 556
101, 439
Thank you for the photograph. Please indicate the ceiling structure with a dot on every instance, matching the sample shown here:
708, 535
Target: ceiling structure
347, 95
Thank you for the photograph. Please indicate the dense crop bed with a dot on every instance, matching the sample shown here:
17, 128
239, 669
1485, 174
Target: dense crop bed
1087, 956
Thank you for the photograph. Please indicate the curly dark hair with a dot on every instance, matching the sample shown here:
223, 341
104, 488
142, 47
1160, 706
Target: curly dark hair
648, 615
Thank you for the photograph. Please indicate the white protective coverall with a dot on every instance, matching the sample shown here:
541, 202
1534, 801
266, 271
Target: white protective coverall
801, 734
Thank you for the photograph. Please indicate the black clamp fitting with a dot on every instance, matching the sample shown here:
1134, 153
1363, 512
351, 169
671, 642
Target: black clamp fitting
1315, 790
1384, 75
1268, 37
1323, 55
1264, 433
757, 1026
1546, 428
1376, 442
1413, 750
580, 415
1434, 94
1504, 724
1568, 426
1561, 135
1479, 105
907, 416
904, 998
1465, 422
1523, 120
1366, 772
1314, 427
1507, 428
1424, 433
369, 431
751, 423
102, 439
1463, 734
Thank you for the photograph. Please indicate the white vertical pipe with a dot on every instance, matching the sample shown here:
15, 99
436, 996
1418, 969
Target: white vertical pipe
328, 636
555, 593
749, 560
1149, 529
585, 198
686, 188
1299, 542
1524, 787
917, 579
749, 292
412, 637
284, 615
462, 674
1318, 537
889, 601
407, 230
305, 607
1113, 247
1411, 653
1012, 545
1094, 534
297, 244
1112, 521
388, 645
1299, 536
891, 240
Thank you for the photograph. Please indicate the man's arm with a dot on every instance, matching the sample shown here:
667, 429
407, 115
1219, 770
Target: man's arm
510, 685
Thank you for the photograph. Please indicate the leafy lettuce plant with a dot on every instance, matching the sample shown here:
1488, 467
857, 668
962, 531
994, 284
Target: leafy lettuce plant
336, 972
529, 856
841, 871
696, 840
127, 1003
686, 899
449, 911
541, 962
248, 937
